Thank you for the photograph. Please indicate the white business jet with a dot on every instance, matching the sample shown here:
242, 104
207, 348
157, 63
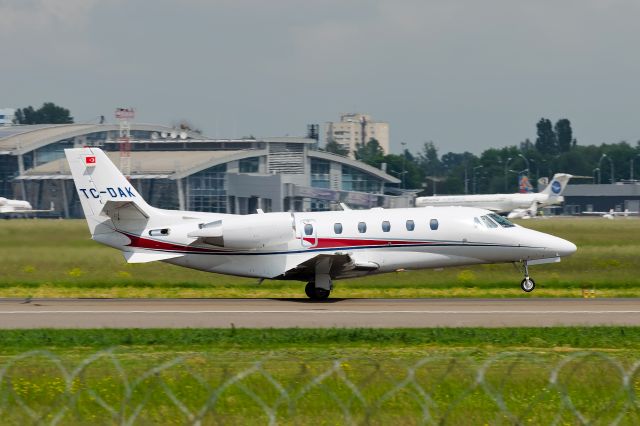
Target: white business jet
316, 248
517, 205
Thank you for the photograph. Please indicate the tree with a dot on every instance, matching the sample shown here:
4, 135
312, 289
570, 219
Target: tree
396, 164
48, 113
336, 148
564, 134
428, 160
546, 142
370, 153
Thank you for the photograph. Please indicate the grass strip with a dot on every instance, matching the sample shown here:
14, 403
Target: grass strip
56, 258
552, 337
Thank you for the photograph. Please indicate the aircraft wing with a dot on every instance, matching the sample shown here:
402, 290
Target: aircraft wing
341, 265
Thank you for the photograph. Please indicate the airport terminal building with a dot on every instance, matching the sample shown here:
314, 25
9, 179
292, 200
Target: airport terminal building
602, 198
184, 170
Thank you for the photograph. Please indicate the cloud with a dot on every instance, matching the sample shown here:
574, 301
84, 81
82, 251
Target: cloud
45, 31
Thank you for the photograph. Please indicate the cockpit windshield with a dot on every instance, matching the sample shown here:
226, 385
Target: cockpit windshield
492, 221
488, 222
502, 221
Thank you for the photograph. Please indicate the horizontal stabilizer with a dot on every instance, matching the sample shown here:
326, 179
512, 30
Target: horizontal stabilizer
148, 256
123, 210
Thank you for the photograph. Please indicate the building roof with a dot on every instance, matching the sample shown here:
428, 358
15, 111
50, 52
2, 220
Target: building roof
604, 190
353, 163
17, 140
150, 164
180, 164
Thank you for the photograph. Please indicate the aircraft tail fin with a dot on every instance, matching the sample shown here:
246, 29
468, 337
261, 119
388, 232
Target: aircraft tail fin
107, 197
557, 185
524, 184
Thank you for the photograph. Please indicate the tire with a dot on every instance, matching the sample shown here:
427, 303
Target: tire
309, 289
527, 285
315, 293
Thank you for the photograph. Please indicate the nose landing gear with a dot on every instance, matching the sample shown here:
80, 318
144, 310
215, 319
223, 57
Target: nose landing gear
527, 284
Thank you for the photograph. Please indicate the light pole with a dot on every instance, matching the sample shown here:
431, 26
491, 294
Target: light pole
537, 168
506, 170
466, 179
610, 163
526, 161
474, 177
631, 164
435, 180
404, 160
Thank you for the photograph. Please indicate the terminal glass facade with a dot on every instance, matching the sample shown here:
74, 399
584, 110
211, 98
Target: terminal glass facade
207, 190
249, 165
355, 180
320, 173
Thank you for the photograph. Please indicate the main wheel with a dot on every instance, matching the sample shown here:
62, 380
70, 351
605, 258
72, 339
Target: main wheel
315, 293
527, 285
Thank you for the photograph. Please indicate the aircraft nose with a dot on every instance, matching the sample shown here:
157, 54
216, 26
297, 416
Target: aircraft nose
561, 247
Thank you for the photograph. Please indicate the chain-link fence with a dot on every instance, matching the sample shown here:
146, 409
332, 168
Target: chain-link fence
205, 388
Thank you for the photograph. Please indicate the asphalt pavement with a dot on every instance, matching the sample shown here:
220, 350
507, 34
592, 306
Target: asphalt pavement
278, 313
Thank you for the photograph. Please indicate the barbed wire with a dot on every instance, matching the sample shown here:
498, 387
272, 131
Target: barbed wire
108, 387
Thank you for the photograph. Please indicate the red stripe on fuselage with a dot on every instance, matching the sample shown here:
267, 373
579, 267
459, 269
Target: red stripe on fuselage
146, 243
324, 243
352, 242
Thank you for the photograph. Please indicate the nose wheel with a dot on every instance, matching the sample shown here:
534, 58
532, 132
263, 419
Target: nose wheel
527, 284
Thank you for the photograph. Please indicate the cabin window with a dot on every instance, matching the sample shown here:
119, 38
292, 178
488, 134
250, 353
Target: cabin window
502, 221
386, 226
337, 228
362, 227
159, 232
433, 224
308, 229
410, 225
488, 222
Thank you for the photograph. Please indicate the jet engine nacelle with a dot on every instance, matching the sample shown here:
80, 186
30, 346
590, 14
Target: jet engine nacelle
248, 232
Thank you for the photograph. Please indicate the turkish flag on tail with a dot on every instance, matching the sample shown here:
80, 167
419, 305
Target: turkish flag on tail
90, 161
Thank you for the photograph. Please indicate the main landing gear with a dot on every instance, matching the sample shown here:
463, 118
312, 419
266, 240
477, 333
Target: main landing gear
527, 284
316, 293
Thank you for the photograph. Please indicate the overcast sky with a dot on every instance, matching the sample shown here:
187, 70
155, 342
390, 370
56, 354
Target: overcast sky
466, 74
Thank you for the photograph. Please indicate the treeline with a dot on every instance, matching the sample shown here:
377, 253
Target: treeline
48, 113
554, 150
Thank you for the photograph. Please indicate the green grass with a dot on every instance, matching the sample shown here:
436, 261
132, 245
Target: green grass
604, 338
56, 258
309, 376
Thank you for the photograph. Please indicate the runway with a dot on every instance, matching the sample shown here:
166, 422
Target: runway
278, 313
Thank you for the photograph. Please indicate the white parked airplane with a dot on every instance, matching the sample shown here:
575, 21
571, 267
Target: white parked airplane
518, 205
311, 247
13, 207
611, 214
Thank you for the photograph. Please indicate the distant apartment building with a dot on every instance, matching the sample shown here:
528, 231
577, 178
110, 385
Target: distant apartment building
356, 128
6, 116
